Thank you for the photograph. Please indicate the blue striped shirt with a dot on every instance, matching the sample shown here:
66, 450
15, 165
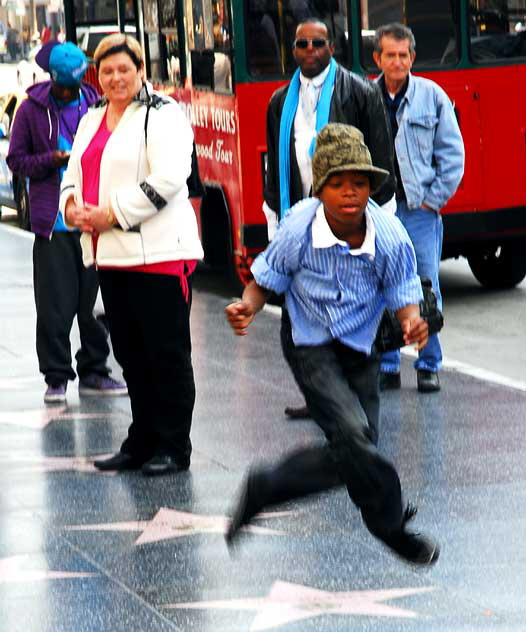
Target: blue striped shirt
331, 291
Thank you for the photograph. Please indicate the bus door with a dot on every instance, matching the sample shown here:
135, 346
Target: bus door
465, 96
190, 58
497, 51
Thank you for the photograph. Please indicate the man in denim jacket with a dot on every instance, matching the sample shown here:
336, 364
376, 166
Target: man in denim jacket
429, 163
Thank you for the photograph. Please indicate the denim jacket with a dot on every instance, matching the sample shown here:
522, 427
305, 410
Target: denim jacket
428, 145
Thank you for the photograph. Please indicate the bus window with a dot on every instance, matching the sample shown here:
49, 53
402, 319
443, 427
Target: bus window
434, 24
160, 27
222, 64
152, 38
271, 27
209, 35
100, 11
95, 11
497, 30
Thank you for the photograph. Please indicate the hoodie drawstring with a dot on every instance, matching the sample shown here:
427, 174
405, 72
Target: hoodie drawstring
49, 121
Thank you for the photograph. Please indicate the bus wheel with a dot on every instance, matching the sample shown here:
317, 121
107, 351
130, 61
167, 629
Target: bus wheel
499, 266
22, 204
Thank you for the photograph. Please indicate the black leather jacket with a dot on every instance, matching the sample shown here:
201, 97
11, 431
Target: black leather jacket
355, 101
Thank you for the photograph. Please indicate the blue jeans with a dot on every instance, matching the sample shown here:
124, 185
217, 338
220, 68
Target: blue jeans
426, 232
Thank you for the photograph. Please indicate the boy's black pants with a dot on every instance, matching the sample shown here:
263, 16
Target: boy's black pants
341, 390
149, 323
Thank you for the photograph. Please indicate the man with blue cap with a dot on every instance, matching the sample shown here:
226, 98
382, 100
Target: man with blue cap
41, 139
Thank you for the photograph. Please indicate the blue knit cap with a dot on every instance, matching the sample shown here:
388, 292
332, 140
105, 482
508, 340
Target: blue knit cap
67, 64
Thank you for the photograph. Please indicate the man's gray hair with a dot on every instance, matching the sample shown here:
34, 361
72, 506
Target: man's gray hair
397, 31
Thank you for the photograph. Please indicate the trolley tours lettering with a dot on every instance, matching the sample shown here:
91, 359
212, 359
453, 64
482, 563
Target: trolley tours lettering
215, 118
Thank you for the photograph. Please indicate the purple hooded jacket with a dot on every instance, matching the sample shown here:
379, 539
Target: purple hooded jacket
34, 138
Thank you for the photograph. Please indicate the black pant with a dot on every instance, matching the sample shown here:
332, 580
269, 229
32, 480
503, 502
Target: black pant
288, 348
64, 288
341, 389
149, 323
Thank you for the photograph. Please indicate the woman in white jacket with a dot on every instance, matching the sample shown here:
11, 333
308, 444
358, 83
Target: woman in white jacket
125, 188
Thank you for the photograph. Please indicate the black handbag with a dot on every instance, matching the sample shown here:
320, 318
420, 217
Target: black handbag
389, 336
194, 183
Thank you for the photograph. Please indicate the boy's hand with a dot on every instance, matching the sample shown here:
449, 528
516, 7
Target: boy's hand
239, 316
415, 330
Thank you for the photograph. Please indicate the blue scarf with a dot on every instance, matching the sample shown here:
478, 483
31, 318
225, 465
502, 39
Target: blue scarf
287, 119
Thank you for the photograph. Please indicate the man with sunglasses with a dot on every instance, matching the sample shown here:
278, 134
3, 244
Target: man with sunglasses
320, 91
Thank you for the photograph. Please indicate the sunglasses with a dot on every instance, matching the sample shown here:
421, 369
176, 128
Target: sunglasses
317, 42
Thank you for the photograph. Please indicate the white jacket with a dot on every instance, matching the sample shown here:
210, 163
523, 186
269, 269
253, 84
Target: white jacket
143, 180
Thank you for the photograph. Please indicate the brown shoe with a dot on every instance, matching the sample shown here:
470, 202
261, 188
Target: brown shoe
297, 413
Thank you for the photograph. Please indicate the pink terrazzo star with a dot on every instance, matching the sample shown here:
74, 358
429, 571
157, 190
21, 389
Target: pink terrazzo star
11, 571
39, 418
170, 523
288, 602
24, 463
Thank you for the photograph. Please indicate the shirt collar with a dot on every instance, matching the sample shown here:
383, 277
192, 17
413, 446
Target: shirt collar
323, 237
400, 94
318, 80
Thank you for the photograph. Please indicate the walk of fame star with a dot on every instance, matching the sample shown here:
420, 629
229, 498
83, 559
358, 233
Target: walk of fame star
170, 523
39, 418
11, 571
288, 602
17, 383
25, 463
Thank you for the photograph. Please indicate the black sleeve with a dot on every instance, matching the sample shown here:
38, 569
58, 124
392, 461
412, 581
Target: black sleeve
377, 135
271, 185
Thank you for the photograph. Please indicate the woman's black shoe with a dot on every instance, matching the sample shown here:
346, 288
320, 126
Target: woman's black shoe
164, 464
118, 463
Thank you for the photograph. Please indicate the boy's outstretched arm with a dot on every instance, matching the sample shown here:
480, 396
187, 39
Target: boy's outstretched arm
414, 327
241, 313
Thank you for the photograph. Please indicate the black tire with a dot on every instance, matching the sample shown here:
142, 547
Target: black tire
22, 205
500, 266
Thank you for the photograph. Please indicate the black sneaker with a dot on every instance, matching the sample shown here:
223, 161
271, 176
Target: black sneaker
248, 505
389, 381
427, 381
412, 547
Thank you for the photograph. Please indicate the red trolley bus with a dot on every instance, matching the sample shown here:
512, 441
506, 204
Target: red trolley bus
223, 59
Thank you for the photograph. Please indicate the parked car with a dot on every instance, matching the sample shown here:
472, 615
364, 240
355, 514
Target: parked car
28, 71
3, 48
13, 190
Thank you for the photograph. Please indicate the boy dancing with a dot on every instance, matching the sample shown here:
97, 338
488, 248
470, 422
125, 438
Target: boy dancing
340, 260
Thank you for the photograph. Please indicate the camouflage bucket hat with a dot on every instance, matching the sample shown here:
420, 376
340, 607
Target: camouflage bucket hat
341, 147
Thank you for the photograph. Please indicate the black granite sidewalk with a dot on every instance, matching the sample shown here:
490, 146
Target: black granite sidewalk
82, 551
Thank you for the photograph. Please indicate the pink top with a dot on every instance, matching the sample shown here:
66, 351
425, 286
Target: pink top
90, 163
